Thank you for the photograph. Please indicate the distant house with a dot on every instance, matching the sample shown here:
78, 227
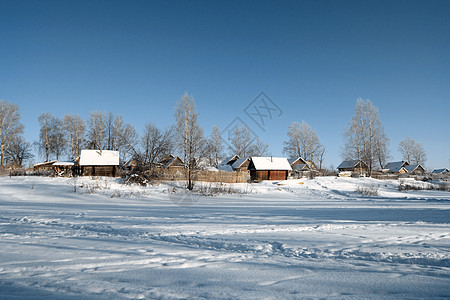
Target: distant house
227, 163
98, 163
416, 169
241, 164
302, 168
353, 166
269, 168
172, 162
396, 167
48, 165
440, 171
64, 168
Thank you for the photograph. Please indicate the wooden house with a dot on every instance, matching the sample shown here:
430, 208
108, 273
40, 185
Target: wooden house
227, 163
269, 168
353, 166
302, 168
98, 163
241, 164
47, 166
416, 169
396, 167
440, 171
173, 163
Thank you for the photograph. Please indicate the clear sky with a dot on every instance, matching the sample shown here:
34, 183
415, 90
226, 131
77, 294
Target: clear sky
314, 59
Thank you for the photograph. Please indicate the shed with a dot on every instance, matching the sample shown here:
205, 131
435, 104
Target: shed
98, 163
269, 168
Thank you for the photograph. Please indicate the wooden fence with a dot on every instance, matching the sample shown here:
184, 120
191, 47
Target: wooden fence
207, 176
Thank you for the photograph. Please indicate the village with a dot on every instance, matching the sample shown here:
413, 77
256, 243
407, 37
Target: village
232, 169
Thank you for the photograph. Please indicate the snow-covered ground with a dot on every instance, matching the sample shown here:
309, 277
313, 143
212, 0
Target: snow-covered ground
313, 238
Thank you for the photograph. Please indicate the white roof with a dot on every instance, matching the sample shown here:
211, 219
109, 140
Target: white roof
99, 158
64, 163
271, 163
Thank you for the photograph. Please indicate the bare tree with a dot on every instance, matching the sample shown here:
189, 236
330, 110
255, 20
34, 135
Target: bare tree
45, 137
96, 130
242, 142
365, 139
190, 135
260, 148
303, 142
74, 128
321, 156
214, 147
10, 127
58, 137
412, 151
51, 137
155, 144
19, 152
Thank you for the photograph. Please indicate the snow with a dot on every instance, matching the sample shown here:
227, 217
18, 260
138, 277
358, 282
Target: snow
99, 158
95, 238
271, 163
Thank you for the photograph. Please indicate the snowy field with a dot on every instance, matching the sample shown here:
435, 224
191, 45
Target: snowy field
316, 238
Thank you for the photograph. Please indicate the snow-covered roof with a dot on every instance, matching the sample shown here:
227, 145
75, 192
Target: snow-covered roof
395, 166
99, 158
63, 163
440, 171
294, 160
47, 163
170, 162
271, 163
229, 159
412, 168
238, 163
348, 164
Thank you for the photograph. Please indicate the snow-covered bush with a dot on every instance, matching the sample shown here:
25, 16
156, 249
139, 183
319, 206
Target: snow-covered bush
368, 190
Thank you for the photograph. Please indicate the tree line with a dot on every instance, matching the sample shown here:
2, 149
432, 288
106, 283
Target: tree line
364, 139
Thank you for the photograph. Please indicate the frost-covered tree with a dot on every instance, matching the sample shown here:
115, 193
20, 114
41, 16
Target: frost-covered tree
189, 135
214, 145
74, 129
303, 142
96, 130
10, 127
242, 142
365, 139
412, 151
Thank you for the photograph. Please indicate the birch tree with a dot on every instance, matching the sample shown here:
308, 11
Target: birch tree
10, 127
74, 128
96, 130
214, 147
242, 143
303, 142
45, 138
412, 151
365, 139
189, 134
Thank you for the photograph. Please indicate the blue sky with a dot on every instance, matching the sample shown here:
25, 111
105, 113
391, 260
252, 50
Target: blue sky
314, 59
